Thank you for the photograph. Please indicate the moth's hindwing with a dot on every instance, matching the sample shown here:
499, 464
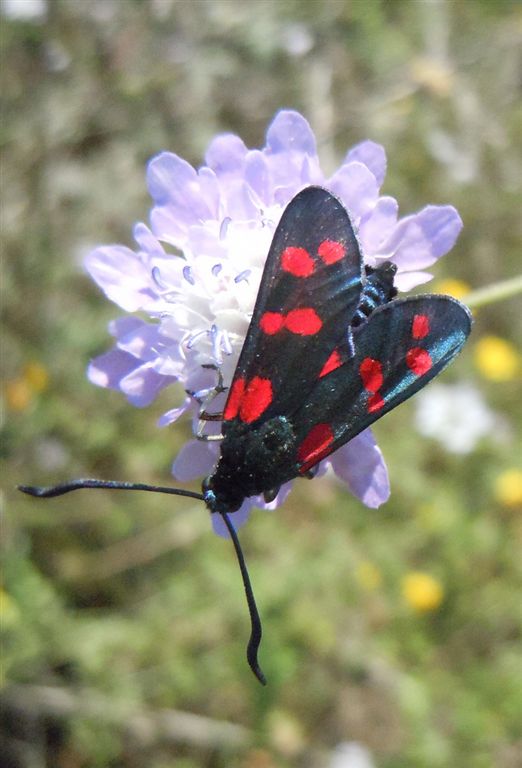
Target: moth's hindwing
398, 350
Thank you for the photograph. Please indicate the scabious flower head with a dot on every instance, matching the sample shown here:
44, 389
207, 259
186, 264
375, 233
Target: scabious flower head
196, 271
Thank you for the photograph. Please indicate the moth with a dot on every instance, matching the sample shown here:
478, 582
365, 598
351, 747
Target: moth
329, 350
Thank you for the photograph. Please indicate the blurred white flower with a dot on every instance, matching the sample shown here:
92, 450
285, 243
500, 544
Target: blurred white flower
51, 455
456, 415
350, 754
24, 10
297, 39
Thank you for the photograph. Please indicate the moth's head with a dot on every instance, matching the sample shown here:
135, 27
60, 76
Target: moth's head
220, 497
383, 277
209, 496
388, 268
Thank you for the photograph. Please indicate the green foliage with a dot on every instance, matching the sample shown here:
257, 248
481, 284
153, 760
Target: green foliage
130, 607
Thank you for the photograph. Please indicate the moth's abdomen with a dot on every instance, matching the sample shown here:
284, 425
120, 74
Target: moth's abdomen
377, 290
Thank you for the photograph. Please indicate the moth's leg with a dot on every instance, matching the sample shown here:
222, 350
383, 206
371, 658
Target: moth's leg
204, 416
311, 473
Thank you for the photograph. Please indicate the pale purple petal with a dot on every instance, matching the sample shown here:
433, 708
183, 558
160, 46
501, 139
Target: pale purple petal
169, 226
419, 240
176, 190
195, 459
360, 464
241, 205
226, 154
290, 132
291, 156
146, 240
141, 342
142, 385
237, 519
167, 176
170, 361
169, 417
109, 369
258, 177
405, 281
357, 188
122, 276
121, 326
210, 190
380, 223
372, 155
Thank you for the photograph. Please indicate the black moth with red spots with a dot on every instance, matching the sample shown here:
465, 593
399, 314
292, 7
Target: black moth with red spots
329, 350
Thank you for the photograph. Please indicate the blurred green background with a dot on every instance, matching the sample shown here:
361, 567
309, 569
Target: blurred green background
123, 618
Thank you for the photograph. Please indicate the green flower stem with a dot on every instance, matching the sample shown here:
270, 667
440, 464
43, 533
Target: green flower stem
496, 292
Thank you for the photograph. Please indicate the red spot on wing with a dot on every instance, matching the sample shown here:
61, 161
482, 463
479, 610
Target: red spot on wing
234, 399
305, 322
271, 322
256, 399
330, 251
315, 446
297, 261
421, 326
375, 403
333, 362
370, 371
418, 360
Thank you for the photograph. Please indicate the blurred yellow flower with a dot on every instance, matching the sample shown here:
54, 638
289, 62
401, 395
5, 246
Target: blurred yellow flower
36, 376
508, 488
422, 592
496, 358
18, 394
452, 287
368, 575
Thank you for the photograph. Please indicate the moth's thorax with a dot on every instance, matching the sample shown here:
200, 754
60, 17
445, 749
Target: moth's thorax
378, 289
252, 461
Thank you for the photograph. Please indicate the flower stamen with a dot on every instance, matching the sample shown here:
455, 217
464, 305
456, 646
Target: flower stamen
226, 343
224, 227
244, 275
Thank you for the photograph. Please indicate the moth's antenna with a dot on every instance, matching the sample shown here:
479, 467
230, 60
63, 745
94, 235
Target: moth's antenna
255, 621
114, 485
